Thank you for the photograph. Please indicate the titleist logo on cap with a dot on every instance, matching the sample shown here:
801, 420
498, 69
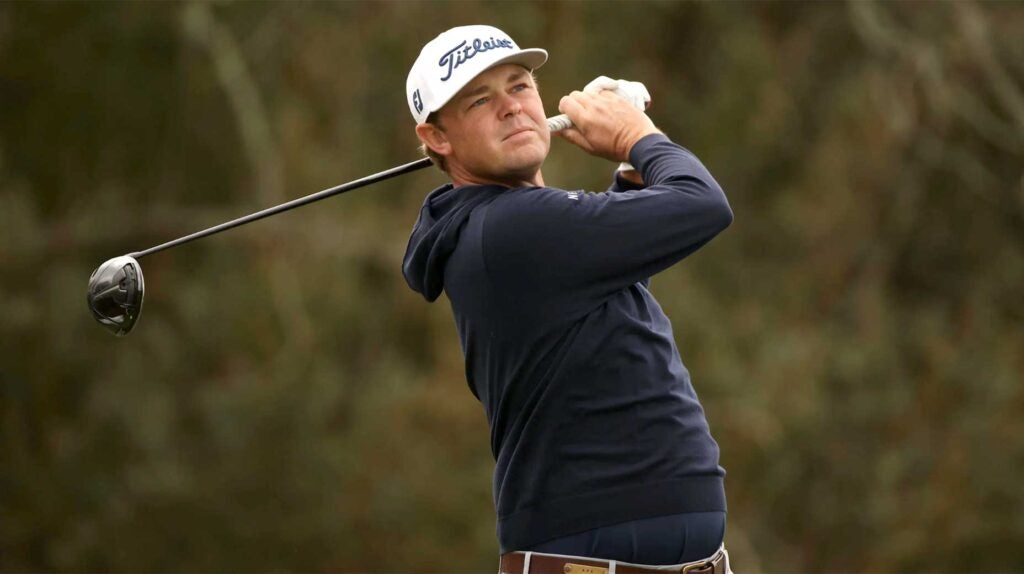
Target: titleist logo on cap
458, 55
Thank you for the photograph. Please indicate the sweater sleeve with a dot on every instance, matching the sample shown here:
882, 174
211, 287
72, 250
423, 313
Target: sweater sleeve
620, 183
546, 241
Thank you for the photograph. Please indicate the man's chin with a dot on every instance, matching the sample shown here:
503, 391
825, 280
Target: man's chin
525, 160
525, 171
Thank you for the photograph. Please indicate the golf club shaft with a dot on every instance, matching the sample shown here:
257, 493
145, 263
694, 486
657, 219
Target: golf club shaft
555, 124
387, 174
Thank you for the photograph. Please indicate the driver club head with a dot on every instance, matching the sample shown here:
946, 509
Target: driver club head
115, 294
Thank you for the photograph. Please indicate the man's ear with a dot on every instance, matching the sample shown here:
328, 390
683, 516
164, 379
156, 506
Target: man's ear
434, 138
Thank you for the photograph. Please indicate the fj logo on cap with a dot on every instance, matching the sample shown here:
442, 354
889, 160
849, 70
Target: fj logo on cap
459, 54
417, 101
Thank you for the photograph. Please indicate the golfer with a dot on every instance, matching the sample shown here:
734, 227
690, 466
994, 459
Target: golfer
603, 451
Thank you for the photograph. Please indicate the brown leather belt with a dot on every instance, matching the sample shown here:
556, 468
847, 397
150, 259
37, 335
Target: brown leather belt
513, 562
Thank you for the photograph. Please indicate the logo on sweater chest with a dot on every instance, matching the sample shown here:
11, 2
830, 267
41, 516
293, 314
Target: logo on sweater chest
573, 195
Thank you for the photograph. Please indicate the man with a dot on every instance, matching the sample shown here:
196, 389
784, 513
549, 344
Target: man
602, 447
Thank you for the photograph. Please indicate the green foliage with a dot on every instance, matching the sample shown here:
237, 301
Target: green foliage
286, 403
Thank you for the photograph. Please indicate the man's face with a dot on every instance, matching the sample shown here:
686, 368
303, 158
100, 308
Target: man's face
496, 128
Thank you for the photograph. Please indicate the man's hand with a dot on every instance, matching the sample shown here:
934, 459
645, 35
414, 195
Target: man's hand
604, 124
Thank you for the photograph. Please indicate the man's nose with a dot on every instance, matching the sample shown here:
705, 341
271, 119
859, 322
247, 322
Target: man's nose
510, 106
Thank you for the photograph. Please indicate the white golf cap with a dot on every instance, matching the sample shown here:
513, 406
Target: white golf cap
450, 61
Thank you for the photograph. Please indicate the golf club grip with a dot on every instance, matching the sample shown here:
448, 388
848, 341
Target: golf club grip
559, 123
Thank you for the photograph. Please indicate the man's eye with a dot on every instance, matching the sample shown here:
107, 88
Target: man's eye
478, 102
520, 87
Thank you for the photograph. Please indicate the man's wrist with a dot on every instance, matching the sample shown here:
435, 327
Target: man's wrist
636, 140
642, 144
630, 175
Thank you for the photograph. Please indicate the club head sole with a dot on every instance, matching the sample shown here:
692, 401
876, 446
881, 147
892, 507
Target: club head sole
116, 289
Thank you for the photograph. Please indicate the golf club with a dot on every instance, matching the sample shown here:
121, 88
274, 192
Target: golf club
116, 287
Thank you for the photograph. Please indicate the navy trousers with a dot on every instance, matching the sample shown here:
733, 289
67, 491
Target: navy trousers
672, 539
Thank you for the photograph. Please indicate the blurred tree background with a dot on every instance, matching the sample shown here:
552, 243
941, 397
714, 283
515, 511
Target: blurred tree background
286, 403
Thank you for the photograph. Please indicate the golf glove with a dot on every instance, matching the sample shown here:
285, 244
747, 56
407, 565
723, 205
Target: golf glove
635, 92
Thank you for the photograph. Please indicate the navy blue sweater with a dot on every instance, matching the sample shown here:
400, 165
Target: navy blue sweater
593, 417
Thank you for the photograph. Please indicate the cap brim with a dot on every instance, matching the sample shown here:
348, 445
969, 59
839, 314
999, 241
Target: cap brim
530, 58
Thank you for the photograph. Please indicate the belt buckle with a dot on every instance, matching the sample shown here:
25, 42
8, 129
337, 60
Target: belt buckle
709, 563
571, 568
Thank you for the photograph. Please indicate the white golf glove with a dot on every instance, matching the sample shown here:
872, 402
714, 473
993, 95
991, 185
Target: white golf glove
635, 92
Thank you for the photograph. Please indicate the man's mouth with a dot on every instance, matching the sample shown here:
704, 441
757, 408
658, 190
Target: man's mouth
517, 132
